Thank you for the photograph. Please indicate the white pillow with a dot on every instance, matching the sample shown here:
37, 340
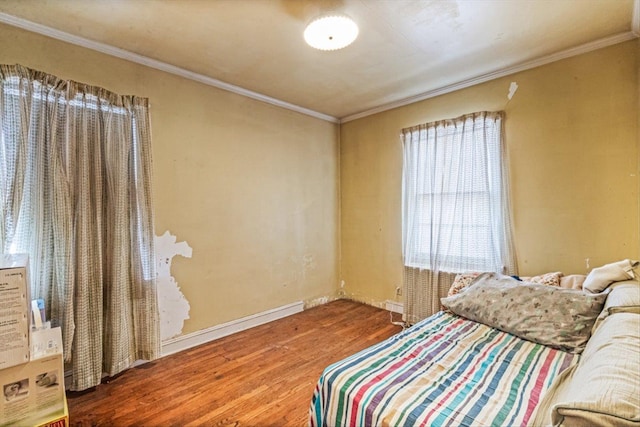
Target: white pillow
601, 277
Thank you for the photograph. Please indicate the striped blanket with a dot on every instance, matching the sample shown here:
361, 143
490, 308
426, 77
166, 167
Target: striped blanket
445, 370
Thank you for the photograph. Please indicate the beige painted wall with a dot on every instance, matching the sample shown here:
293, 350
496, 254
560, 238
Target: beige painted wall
252, 188
257, 190
572, 138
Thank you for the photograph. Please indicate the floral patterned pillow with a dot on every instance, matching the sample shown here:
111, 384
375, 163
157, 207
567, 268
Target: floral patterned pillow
461, 282
549, 279
549, 315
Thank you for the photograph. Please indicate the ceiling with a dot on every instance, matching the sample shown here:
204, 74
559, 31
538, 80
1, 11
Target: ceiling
407, 50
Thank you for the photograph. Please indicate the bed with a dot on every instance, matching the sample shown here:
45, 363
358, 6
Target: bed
503, 353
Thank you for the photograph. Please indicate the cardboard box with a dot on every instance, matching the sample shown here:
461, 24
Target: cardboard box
61, 421
45, 342
15, 313
33, 393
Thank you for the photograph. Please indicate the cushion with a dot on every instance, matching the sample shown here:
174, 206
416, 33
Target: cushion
549, 279
604, 387
624, 297
549, 315
572, 281
461, 282
599, 278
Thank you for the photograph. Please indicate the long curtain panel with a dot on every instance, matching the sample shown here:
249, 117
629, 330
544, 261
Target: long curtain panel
455, 210
75, 194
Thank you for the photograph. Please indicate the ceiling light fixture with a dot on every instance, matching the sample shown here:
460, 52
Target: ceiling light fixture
331, 32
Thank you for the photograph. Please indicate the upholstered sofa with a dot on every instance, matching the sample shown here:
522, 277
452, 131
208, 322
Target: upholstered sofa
603, 388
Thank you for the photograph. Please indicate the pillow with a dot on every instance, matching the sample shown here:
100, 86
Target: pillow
572, 281
549, 315
601, 277
461, 282
549, 279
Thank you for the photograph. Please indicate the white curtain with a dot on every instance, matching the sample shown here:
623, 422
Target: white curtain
75, 194
456, 210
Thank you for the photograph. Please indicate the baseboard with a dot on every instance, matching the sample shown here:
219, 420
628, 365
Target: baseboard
184, 342
394, 306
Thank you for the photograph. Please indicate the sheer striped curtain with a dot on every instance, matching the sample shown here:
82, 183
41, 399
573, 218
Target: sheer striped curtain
456, 213
75, 194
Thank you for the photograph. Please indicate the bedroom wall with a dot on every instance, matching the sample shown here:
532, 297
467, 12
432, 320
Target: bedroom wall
252, 188
572, 140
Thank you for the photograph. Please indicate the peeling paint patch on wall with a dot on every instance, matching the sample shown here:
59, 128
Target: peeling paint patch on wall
319, 301
174, 307
513, 87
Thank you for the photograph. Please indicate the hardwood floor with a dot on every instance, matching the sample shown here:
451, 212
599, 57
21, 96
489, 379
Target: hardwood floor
261, 377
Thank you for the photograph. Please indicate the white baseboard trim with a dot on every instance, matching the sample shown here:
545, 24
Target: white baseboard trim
184, 342
394, 306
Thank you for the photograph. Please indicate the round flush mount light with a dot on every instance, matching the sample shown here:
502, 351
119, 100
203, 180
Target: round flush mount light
331, 32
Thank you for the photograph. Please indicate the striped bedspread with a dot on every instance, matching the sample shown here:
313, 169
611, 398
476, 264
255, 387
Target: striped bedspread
445, 370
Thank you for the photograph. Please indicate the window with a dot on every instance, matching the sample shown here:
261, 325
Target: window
455, 199
75, 194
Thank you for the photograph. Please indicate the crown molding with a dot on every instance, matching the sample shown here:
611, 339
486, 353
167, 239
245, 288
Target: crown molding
579, 50
172, 69
158, 65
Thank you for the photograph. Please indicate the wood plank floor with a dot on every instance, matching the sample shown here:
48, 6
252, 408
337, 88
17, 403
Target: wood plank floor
261, 377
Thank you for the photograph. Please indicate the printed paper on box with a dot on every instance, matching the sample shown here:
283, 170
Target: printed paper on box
32, 393
14, 310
